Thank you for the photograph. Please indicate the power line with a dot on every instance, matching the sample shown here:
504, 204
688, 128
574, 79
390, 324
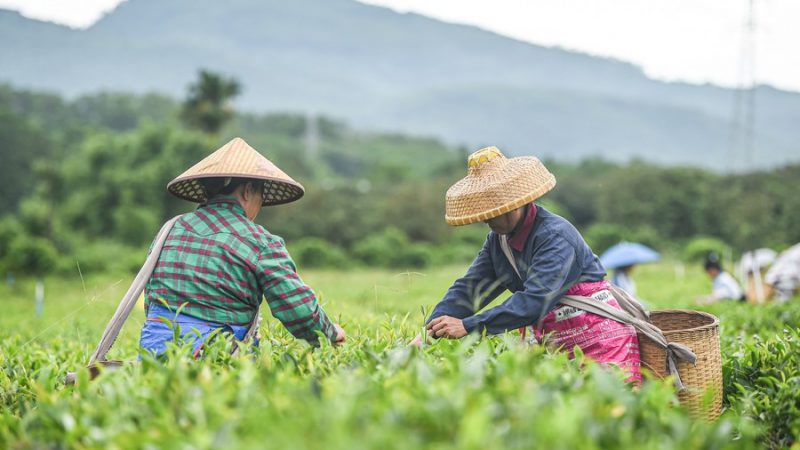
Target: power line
312, 137
742, 145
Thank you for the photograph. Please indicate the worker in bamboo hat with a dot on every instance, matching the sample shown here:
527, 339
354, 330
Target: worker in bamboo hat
536, 255
217, 264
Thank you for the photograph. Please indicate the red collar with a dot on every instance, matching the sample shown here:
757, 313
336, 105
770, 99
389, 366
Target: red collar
517, 241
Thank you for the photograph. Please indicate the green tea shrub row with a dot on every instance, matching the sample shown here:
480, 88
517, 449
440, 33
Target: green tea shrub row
373, 393
763, 383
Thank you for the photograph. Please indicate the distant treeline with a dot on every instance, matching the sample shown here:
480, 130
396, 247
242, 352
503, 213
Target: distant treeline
85, 180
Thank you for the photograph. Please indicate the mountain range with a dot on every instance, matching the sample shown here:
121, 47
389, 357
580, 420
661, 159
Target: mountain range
402, 72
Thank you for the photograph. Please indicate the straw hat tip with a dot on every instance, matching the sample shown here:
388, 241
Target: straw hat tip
236, 141
484, 155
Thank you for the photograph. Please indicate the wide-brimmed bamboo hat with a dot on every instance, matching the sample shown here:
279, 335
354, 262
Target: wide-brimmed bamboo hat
237, 159
495, 185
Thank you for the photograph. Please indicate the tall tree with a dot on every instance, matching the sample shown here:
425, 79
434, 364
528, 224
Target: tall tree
22, 141
207, 106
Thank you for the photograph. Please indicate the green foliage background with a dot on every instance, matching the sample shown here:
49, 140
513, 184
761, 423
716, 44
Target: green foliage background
85, 192
83, 173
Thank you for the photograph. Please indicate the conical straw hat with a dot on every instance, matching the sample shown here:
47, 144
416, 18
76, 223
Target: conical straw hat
237, 159
495, 185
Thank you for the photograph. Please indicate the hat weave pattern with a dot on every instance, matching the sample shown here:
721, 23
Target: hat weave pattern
495, 185
237, 159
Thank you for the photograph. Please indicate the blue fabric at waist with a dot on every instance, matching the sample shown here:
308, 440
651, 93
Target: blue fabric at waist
158, 329
160, 311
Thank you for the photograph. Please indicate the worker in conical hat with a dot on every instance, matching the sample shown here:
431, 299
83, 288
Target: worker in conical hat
536, 255
217, 264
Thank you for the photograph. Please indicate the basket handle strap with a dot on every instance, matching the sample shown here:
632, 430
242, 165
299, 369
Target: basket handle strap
674, 350
134, 291
629, 303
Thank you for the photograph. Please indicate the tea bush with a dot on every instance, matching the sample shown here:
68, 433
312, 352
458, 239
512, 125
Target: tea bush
763, 382
761, 366
314, 252
698, 249
392, 248
375, 391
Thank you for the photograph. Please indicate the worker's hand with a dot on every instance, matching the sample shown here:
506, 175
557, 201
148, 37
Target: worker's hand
419, 340
447, 327
341, 336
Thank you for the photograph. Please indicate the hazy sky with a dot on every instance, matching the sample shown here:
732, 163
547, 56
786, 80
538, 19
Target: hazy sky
691, 40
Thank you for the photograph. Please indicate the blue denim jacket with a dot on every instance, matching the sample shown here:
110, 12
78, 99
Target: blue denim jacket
555, 258
158, 330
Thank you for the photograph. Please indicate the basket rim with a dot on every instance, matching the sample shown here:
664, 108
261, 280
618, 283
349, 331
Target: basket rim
714, 322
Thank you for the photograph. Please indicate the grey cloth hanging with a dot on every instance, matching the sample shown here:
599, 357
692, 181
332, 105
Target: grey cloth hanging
632, 313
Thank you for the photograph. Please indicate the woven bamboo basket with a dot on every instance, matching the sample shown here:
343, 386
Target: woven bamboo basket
699, 331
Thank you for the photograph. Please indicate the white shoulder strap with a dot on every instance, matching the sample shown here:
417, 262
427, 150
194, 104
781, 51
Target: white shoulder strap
507, 251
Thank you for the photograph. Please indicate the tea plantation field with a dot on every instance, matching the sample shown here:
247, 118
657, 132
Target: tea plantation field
375, 391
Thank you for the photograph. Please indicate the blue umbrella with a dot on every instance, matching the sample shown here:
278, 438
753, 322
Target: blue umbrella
627, 254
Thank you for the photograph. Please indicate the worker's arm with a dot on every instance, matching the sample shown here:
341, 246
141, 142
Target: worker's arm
477, 288
290, 300
551, 273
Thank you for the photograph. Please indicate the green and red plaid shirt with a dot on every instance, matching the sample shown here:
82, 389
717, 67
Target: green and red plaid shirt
217, 265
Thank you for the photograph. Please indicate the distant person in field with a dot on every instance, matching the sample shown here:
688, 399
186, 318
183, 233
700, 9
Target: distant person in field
752, 268
622, 278
725, 287
217, 264
550, 260
783, 278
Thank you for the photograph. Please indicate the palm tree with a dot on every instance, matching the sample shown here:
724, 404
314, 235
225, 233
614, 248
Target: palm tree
207, 106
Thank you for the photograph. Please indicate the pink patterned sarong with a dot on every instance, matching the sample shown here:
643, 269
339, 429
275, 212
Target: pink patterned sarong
604, 340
